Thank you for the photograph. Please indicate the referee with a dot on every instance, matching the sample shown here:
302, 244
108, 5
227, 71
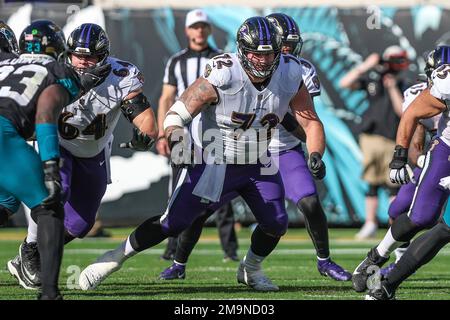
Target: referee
182, 69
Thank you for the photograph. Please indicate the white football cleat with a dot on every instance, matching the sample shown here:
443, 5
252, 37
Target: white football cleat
106, 264
255, 279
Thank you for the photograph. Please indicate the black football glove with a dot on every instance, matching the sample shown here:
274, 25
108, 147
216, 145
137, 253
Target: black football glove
93, 76
180, 155
52, 180
316, 166
139, 142
401, 172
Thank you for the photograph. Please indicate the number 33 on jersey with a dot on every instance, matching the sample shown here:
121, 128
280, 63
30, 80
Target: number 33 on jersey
242, 106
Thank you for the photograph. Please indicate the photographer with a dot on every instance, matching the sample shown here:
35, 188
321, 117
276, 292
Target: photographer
380, 78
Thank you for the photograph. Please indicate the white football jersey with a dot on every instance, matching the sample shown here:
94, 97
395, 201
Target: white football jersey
412, 93
282, 139
441, 90
96, 113
243, 113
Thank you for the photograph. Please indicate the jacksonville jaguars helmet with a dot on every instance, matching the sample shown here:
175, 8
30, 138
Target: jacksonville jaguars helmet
8, 42
257, 35
436, 58
289, 31
89, 39
43, 37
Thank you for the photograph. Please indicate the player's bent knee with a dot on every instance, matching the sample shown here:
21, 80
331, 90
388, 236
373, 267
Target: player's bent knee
404, 229
309, 204
397, 208
276, 229
78, 228
57, 211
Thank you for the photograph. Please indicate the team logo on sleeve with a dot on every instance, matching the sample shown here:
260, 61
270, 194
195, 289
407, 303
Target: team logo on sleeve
316, 82
123, 72
208, 70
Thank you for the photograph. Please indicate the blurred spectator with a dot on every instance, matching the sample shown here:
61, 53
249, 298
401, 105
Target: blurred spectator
380, 78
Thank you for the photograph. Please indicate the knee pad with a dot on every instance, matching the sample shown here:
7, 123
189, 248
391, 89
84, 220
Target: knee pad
4, 215
373, 191
404, 229
78, 227
57, 211
308, 205
277, 228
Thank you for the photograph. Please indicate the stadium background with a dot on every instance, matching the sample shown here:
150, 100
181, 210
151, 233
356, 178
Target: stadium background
335, 40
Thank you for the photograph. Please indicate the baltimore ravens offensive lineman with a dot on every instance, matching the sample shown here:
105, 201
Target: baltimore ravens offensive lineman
429, 196
240, 96
86, 135
298, 181
34, 88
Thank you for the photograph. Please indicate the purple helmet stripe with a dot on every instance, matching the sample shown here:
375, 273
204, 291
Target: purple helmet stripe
448, 55
294, 28
88, 36
267, 30
82, 32
261, 40
286, 18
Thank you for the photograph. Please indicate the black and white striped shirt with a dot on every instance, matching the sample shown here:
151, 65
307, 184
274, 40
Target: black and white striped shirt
184, 67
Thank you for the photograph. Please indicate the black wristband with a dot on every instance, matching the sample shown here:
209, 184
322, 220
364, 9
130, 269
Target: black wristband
400, 153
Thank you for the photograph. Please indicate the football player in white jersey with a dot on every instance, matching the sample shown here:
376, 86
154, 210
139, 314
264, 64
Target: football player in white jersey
297, 178
241, 97
429, 196
86, 135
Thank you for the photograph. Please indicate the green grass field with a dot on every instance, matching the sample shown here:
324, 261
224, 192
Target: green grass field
292, 266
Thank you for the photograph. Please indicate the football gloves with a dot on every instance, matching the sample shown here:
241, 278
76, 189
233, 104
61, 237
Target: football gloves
401, 172
316, 166
139, 142
93, 76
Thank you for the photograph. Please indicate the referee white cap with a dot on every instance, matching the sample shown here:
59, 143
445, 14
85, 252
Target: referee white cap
196, 15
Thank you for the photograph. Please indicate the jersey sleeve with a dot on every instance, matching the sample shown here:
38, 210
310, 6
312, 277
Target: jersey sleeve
218, 72
129, 77
310, 78
411, 93
169, 73
441, 83
135, 79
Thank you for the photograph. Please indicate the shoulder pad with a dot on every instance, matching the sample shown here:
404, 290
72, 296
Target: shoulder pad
128, 75
219, 71
440, 78
411, 93
291, 72
310, 77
